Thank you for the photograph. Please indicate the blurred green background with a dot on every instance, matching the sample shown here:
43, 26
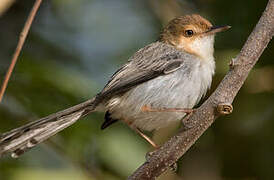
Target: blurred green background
74, 46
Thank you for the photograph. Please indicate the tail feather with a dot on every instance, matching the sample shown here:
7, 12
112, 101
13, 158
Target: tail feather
21, 139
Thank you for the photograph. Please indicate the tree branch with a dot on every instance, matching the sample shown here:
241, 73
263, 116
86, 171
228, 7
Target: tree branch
20, 44
217, 104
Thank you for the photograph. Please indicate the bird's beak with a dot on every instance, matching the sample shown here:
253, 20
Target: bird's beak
216, 29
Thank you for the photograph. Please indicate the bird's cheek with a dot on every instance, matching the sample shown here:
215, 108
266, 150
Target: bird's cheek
186, 44
183, 42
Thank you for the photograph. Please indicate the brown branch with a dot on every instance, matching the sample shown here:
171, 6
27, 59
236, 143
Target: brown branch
20, 44
218, 103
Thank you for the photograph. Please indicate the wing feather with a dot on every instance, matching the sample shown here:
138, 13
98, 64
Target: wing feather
148, 63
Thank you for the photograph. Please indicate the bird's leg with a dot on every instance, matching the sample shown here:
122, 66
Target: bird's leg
146, 137
146, 108
184, 121
138, 131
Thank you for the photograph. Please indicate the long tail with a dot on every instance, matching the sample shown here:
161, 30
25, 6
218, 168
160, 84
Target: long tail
19, 140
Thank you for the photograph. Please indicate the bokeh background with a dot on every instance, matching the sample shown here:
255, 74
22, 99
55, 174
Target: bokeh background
74, 46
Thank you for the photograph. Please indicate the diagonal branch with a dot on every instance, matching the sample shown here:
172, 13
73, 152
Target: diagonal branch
217, 104
20, 44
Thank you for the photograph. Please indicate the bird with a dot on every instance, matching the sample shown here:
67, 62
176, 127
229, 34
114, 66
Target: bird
159, 85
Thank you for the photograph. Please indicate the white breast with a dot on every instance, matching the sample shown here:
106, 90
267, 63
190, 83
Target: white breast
181, 89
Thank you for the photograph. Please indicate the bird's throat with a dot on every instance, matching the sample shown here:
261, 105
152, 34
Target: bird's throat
202, 47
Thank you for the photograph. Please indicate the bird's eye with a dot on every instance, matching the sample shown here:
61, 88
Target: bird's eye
189, 33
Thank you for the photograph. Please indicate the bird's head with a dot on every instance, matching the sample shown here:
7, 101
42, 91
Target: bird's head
193, 34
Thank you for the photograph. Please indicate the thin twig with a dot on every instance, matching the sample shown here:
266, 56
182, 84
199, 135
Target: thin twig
218, 103
20, 44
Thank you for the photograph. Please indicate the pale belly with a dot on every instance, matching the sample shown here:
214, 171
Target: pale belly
175, 90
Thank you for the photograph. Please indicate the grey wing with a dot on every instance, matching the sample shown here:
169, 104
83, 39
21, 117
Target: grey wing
150, 62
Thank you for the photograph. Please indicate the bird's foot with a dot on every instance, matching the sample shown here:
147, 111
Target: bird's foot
185, 121
174, 167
